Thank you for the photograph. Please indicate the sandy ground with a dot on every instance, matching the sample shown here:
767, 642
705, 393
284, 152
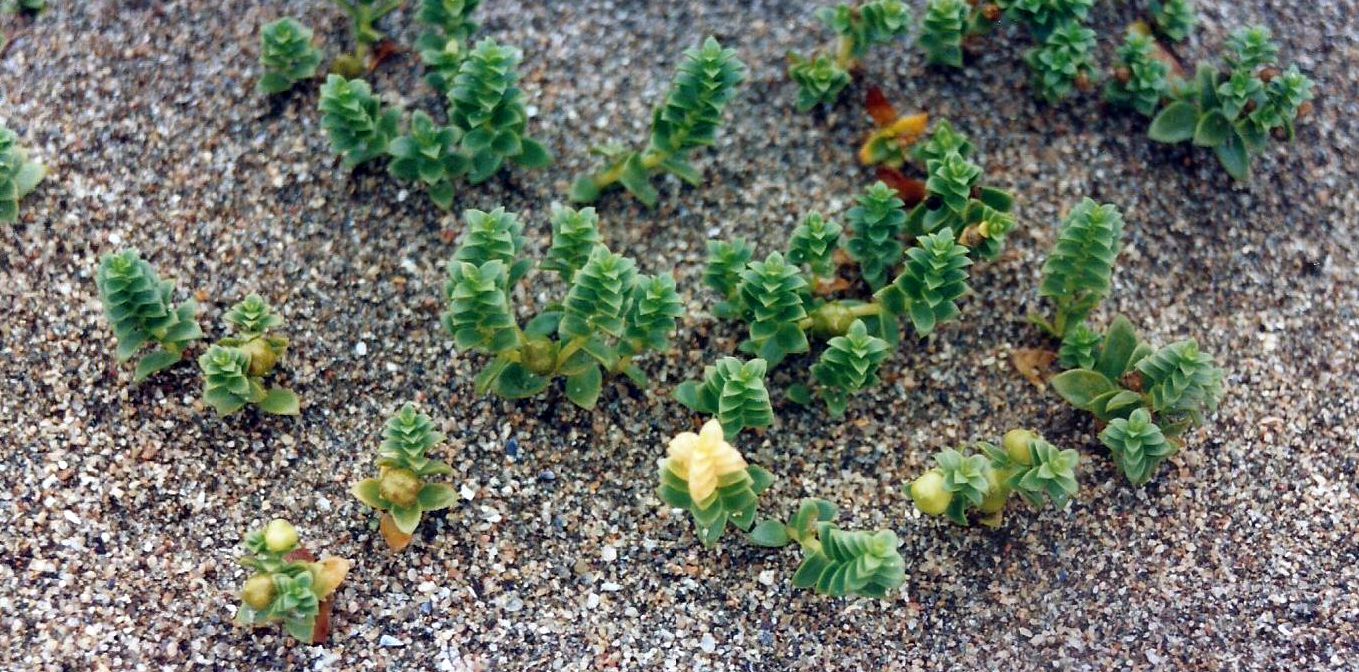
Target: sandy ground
124, 505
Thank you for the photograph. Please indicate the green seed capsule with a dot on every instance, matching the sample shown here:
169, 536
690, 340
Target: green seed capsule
929, 494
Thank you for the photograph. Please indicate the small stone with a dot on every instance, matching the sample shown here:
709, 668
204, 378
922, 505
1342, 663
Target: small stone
389, 641
708, 644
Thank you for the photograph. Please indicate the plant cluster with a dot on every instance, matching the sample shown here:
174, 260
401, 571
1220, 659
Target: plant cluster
1064, 62
611, 314
1144, 398
234, 368
836, 562
443, 45
18, 175
1175, 19
731, 391
402, 492
822, 77
140, 307
1235, 109
1142, 78
706, 476
977, 486
949, 24
288, 585
687, 120
287, 55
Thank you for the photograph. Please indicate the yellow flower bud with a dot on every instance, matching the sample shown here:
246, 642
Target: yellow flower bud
280, 536
1017, 445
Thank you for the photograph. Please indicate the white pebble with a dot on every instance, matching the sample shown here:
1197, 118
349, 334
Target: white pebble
390, 641
360, 348
708, 644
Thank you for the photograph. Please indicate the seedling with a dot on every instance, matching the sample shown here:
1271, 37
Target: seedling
1076, 276
1064, 63
706, 476
1144, 398
731, 391
363, 18
358, 125
443, 45
18, 176
288, 585
430, 155
823, 77
976, 486
611, 314
1175, 19
486, 104
1142, 78
234, 368
401, 491
950, 24
139, 307
1045, 17
836, 562
688, 120
1234, 110
287, 55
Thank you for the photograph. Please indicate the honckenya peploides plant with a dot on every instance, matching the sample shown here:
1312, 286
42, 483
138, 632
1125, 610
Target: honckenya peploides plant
358, 125
611, 314
965, 487
363, 17
487, 106
822, 77
733, 392
948, 25
1144, 398
18, 175
1077, 273
443, 45
287, 55
1234, 110
687, 120
401, 491
704, 475
289, 585
234, 368
139, 306
836, 562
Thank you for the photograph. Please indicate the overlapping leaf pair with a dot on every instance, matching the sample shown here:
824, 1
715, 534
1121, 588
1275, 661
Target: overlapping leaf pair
836, 562
1147, 398
687, 120
287, 586
822, 77
706, 476
234, 368
610, 316
1234, 110
18, 175
402, 491
963, 487
140, 308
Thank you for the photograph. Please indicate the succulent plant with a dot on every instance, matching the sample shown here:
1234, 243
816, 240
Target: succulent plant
870, 24
1141, 80
1234, 112
442, 64
287, 55
402, 491
430, 155
942, 31
487, 106
687, 120
446, 21
933, 280
733, 392
139, 306
726, 261
1080, 347
819, 80
358, 126
959, 483
877, 224
1036, 470
1175, 19
18, 175
610, 316
976, 486
1064, 62
287, 586
836, 562
813, 245
1044, 17
943, 141
772, 292
363, 17
849, 364
234, 368
1138, 446
706, 476
1076, 275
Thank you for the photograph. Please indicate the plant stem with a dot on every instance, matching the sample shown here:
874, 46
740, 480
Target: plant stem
651, 159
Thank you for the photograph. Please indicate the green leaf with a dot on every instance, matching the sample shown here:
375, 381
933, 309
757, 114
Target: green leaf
1175, 123
1232, 154
280, 402
687, 395
369, 492
158, 360
406, 519
533, 155
637, 181
760, 479
584, 190
1212, 129
1080, 387
682, 169
517, 382
1119, 344
583, 388
770, 534
436, 496
302, 629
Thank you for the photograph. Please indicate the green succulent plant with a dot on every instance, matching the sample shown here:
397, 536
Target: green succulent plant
359, 127
772, 292
18, 175
819, 80
733, 392
849, 364
140, 309
813, 245
446, 21
1177, 384
1044, 17
486, 104
948, 24
836, 562
976, 486
402, 491
610, 316
286, 586
1080, 347
706, 476
726, 262
687, 120
1138, 446
876, 225
363, 17
1175, 19
942, 141
234, 367
1077, 273
823, 76
1234, 112
430, 155
1141, 81
1064, 62
575, 234
442, 64
287, 55
1036, 470
934, 279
